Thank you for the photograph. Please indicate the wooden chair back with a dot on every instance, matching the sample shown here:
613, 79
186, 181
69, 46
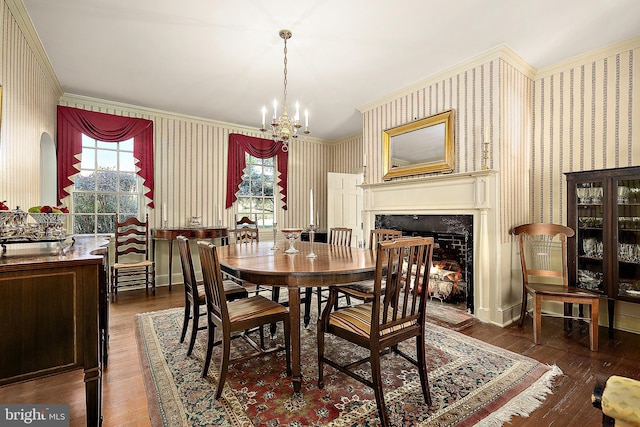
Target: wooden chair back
404, 266
382, 235
190, 282
543, 252
131, 237
340, 236
213, 284
246, 230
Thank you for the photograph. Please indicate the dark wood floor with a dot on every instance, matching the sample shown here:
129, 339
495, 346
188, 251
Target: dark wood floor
125, 404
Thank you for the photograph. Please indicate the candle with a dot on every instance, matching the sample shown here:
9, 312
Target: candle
164, 211
297, 118
487, 137
275, 209
264, 112
275, 109
306, 118
311, 207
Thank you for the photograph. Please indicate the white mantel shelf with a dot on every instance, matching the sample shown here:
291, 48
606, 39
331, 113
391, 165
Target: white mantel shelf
431, 178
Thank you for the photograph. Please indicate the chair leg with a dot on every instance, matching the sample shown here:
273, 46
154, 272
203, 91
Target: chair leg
185, 322
537, 318
523, 307
422, 368
275, 296
307, 306
224, 366
319, 295
211, 339
194, 329
376, 378
320, 338
593, 324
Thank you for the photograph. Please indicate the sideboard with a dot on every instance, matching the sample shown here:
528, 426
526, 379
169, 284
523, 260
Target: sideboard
53, 315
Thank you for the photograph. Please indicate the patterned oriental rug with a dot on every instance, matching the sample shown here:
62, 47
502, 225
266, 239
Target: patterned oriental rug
472, 383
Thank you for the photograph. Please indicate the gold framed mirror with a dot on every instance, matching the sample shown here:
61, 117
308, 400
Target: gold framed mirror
421, 147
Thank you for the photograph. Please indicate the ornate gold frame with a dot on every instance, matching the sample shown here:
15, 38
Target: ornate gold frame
444, 163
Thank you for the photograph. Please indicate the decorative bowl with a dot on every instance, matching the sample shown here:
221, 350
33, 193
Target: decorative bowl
48, 218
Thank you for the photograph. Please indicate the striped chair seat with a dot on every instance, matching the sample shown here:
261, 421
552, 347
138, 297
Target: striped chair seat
249, 308
357, 319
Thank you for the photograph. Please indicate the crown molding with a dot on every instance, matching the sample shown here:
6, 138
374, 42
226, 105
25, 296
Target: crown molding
500, 52
23, 20
69, 98
594, 55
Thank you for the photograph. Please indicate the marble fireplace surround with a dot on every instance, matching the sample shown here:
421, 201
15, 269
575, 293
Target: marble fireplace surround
477, 194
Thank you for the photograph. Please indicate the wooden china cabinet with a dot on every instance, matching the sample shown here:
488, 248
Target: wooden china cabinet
604, 256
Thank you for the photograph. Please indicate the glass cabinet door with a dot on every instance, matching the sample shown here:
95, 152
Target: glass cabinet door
628, 231
589, 235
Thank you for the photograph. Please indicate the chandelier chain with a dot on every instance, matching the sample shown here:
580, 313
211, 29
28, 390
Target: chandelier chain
285, 73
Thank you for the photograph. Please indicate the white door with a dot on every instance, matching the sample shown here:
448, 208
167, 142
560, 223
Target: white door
344, 204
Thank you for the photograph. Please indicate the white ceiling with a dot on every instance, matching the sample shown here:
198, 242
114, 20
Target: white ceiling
223, 59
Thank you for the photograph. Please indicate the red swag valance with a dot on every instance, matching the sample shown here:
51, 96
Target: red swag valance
73, 122
260, 148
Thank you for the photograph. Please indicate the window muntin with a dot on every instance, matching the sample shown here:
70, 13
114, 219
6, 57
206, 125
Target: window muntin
255, 196
107, 184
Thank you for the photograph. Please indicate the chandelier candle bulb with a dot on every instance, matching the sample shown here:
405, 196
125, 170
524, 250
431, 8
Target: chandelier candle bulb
264, 113
297, 118
275, 109
306, 119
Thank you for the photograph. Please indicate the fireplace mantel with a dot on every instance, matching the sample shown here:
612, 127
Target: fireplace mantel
475, 193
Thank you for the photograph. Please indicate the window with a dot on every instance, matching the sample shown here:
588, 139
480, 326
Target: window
107, 184
256, 190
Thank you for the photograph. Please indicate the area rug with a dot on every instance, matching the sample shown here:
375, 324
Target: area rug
472, 383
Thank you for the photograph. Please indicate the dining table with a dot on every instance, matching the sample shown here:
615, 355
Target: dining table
259, 263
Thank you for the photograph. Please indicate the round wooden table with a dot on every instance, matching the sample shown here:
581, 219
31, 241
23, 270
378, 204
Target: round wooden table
257, 263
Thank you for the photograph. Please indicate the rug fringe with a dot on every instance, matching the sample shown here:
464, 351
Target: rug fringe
526, 402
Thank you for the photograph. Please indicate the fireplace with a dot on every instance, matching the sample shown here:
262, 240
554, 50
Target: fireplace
493, 293
452, 273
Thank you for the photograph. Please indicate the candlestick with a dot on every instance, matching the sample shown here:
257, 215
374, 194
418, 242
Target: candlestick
312, 229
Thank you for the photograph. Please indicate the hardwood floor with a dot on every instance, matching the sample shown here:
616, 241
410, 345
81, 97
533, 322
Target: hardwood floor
125, 403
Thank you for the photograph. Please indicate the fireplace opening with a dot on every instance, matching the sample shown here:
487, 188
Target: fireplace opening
451, 279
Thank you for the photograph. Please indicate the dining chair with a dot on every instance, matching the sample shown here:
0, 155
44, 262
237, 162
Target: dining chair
363, 290
543, 258
235, 317
339, 236
132, 266
387, 319
194, 295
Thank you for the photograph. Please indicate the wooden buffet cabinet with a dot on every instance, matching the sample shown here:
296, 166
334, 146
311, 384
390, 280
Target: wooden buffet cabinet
603, 206
54, 314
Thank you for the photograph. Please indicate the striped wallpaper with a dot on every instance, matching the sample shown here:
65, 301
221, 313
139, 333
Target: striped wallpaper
584, 116
577, 115
30, 93
191, 166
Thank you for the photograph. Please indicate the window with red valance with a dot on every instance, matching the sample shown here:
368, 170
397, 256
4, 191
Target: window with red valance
73, 122
260, 148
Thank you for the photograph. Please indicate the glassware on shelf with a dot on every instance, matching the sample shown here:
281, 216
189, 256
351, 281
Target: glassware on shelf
623, 195
582, 192
596, 193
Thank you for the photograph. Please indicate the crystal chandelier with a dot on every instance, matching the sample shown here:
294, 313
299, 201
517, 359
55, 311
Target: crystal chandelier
285, 127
